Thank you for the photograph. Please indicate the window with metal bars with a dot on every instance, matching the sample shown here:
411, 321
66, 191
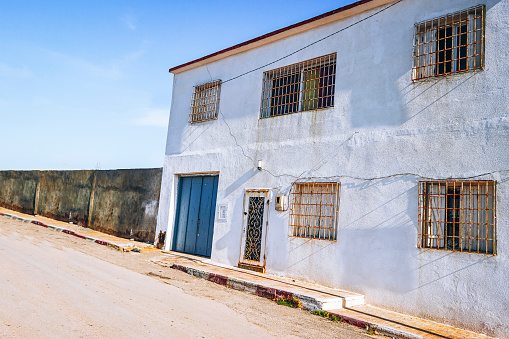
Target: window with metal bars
314, 210
449, 44
205, 102
304, 86
457, 216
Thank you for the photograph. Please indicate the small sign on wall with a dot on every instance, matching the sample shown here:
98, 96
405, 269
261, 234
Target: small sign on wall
222, 212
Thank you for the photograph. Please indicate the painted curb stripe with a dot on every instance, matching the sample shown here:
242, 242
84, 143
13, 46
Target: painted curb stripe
391, 332
59, 229
67, 231
40, 223
236, 284
179, 267
218, 279
273, 294
352, 321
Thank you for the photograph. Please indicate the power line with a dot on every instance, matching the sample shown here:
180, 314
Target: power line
314, 42
277, 60
325, 160
407, 174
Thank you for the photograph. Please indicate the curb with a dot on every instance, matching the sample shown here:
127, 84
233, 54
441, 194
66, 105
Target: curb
236, 284
66, 231
378, 329
308, 303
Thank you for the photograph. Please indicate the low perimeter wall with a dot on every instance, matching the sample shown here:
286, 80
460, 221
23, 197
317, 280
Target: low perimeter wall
119, 202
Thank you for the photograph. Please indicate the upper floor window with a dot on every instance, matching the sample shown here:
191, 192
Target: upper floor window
303, 86
457, 216
314, 210
205, 102
449, 44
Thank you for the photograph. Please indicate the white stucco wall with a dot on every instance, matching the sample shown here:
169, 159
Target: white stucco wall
381, 124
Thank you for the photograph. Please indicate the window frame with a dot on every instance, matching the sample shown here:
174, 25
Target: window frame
309, 211
205, 102
449, 44
299, 87
458, 206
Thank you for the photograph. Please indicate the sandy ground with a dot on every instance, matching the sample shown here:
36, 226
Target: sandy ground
55, 285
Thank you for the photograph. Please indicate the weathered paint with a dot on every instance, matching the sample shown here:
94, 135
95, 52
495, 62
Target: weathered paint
118, 202
382, 125
195, 214
161, 237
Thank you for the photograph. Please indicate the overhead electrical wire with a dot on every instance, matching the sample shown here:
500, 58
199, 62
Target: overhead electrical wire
296, 178
314, 42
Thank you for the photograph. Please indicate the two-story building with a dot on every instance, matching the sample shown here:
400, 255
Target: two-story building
364, 149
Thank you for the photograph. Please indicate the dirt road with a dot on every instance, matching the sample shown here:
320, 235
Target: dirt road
54, 285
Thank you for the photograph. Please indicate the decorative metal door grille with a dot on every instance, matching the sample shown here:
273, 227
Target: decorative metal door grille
449, 44
304, 86
205, 103
457, 216
314, 210
254, 232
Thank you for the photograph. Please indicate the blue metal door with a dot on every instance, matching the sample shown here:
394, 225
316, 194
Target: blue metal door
194, 217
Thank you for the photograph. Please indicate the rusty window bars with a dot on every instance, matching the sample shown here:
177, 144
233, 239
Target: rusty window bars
458, 216
205, 102
314, 210
304, 86
449, 44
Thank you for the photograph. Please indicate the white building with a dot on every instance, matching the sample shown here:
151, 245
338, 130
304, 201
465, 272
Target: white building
383, 127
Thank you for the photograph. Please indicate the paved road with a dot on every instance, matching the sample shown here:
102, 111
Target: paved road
54, 285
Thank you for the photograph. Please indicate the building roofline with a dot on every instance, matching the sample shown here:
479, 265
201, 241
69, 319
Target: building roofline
319, 20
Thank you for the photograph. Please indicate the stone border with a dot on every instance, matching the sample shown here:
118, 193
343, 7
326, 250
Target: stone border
65, 230
308, 303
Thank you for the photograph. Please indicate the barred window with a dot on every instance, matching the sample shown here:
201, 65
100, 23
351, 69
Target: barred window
314, 210
449, 44
205, 103
457, 216
304, 86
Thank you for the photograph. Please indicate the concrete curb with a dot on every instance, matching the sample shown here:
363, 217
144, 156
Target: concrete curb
65, 230
378, 329
235, 283
308, 303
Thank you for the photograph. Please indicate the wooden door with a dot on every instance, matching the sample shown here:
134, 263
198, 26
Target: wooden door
194, 217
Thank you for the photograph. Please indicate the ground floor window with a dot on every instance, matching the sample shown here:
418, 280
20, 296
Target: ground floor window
457, 216
314, 210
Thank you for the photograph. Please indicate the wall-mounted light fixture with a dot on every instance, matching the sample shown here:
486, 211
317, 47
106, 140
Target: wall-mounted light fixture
259, 165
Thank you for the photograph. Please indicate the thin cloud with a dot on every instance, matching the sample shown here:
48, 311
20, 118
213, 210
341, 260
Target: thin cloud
130, 57
155, 118
13, 72
129, 21
112, 72
114, 69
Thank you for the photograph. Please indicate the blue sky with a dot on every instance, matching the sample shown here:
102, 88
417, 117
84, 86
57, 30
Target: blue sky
85, 84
